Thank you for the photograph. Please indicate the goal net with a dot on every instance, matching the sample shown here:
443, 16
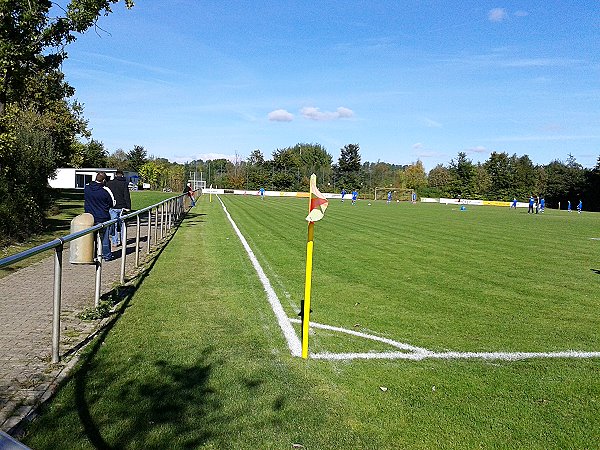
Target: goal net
404, 195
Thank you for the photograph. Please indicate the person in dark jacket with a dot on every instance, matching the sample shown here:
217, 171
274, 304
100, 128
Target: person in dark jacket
97, 200
190, 192
120, 191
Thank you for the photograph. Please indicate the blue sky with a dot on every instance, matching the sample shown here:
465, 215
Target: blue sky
406, 80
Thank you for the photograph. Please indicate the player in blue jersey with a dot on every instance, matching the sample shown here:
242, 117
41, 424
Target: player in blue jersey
579, 206
343, 194
542, 204
262, 193
354, 196
531, 203
569, 206
514, 203
389, 197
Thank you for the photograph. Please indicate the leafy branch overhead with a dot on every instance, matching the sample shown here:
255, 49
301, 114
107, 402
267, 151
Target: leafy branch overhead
33, 41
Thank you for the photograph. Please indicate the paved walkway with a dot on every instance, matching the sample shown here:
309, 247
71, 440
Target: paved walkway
27, 375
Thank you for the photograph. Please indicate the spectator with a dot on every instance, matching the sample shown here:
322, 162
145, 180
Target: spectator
120, 192
190, 192
97, 200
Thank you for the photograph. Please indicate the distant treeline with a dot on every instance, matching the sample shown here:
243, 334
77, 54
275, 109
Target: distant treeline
501, 177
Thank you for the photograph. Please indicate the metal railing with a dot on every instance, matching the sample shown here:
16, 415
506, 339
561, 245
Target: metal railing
170, 211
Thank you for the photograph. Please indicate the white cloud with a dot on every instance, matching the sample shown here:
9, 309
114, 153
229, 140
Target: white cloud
280, 115
430, 123
313, 113
478, 149
542, 62
521, 13
497, 15
345, 113
417, 146
204, 157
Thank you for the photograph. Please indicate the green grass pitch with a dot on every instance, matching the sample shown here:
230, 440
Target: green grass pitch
197, 359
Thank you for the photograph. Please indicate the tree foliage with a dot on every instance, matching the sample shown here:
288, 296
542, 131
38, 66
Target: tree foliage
136, 158
39, 126
91, 154
347, 171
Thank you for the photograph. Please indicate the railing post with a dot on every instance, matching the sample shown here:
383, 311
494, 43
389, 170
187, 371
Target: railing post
98, 268
137, 241
56, 304
169, 214
123, 250
149, 231
156, 228
162, 220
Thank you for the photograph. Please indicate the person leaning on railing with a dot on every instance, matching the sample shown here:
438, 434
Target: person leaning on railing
189, 191
120, 192
98, 200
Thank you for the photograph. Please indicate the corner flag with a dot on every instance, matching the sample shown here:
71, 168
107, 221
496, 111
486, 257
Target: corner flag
318, 202
316, 208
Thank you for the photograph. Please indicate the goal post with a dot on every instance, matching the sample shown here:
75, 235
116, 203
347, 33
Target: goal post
401, 194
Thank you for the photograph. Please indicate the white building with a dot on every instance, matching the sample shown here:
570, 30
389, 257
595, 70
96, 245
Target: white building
71, 178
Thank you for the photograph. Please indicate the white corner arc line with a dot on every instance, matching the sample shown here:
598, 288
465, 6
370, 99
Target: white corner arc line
293, 341
400, 345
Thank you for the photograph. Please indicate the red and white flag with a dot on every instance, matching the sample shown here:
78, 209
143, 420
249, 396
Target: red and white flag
318, 202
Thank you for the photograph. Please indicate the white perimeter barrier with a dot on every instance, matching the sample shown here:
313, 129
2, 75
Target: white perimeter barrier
267, 193
455, 201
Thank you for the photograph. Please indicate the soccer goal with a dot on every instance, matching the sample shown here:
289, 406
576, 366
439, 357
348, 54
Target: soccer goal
400, 194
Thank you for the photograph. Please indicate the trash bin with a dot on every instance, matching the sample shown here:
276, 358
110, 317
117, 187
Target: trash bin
82, 249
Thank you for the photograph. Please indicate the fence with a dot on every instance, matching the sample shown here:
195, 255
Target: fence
164, 214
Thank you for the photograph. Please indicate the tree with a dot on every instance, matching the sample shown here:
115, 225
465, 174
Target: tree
117, 160
462, 171
524, 176
347, 171
439, 177
136, 158
482, 183
256, 158
500, 176
414, 176
92, 154
150, 172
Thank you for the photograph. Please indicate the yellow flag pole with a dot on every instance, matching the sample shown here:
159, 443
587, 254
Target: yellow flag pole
308, 279
307, 286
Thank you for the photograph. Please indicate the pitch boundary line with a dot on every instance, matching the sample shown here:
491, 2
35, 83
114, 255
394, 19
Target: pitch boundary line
410, 352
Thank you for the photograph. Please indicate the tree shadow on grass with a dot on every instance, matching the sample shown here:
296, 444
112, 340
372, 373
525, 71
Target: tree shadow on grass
153, 409
194, 219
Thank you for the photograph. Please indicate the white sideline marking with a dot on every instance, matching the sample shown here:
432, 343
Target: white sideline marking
502, 356
418, 353
284, 323
411, 352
